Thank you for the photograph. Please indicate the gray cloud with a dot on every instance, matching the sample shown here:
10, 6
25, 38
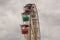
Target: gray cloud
10, 18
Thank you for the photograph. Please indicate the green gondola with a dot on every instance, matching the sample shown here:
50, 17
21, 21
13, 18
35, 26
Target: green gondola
33, 15
25, 18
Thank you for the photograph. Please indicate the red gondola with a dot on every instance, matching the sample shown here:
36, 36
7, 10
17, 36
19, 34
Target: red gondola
27, 11
24, 31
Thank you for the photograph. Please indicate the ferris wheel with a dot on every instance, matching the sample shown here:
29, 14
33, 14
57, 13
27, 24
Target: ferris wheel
30, 27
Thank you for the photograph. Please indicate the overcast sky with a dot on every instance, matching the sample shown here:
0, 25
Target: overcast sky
10, 18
